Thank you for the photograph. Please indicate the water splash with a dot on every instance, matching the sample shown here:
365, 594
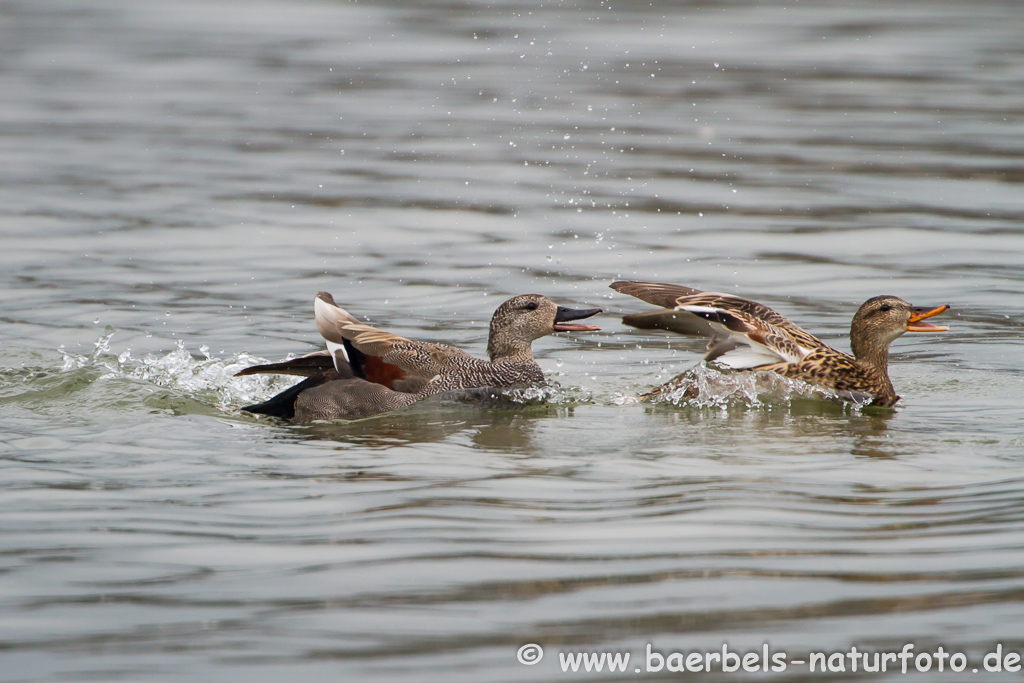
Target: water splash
621, 398
705, 386
551, 393
207, 379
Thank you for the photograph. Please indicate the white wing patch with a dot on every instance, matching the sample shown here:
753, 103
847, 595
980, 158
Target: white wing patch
749, 353
336, 351
747, 357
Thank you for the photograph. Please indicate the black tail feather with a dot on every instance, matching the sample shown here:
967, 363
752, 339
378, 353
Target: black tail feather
283, 405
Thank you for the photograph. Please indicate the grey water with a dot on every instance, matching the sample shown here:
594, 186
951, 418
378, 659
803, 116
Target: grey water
179, 178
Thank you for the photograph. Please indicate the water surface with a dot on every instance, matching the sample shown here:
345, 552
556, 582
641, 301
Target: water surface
178, 179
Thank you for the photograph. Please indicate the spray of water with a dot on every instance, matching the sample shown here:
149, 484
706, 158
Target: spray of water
203, 377
705, 386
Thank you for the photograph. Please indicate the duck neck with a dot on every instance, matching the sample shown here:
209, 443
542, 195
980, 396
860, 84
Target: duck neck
870, 350
875, 354
502, 348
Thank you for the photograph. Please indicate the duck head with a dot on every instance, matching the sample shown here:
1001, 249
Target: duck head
883, 319
524, 318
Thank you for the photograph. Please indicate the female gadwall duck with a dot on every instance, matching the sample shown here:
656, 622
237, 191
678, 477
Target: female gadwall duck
366, 371
746, 335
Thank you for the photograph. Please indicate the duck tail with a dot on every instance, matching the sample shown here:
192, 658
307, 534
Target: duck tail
283, 405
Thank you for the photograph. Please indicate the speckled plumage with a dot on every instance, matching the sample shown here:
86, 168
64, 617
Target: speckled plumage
375, 371
746, 335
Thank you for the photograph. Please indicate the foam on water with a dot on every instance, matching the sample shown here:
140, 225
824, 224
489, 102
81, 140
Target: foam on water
207, 379
706, 386
550, 393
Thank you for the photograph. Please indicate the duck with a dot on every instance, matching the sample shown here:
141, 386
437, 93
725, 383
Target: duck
746, 335
365, 371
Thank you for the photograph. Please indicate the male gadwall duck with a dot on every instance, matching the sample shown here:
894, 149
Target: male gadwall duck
746, 335
366, 371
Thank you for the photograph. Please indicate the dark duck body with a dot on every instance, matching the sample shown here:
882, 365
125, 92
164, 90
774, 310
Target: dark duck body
366, 371
746, 335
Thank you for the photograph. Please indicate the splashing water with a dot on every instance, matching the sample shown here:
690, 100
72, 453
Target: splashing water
550, 393
705, 386
207, 379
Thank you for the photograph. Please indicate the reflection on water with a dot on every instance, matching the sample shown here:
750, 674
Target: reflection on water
185, 177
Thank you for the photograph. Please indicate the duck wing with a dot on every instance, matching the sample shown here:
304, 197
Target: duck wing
744, 333
378, 356
304, 366
658, 293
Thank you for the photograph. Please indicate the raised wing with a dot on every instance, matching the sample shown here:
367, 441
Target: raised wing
376, 355
745, 341
658, 293
745, 334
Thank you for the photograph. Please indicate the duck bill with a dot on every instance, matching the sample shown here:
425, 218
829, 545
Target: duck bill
919, 313
563, 315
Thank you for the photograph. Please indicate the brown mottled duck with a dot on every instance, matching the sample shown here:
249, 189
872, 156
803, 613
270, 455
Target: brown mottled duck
746, 335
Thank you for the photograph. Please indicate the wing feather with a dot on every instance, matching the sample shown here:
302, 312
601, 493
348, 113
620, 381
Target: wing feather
745, 334
415, 359
658, 293
757, 341
304, 366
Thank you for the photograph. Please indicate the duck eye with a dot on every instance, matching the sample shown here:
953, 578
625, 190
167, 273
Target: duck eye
885, 307
532, 306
